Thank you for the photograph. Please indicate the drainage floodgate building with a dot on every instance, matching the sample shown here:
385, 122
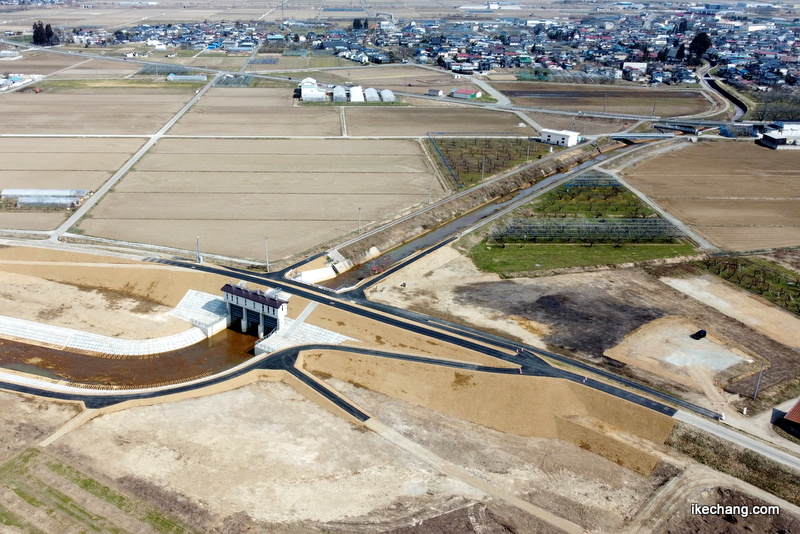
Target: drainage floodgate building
267, 309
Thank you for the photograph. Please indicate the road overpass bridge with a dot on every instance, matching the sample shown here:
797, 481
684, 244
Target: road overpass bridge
639, 137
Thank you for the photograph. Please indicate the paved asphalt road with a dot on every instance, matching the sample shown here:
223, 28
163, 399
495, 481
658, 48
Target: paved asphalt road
738, 438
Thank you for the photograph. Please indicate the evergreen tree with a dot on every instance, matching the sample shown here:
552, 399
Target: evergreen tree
700, 44
356, 24
50, 37
681, 53
39, 37
365, 24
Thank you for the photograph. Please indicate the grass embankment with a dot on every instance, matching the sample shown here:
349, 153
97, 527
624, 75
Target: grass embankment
520, 258
43, 483
737, 461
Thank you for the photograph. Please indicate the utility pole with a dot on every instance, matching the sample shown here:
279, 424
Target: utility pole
758, 382
266, 250
359, 221
483, 168
528, 156
197, 251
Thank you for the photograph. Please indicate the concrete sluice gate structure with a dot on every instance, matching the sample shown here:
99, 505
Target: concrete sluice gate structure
267, 309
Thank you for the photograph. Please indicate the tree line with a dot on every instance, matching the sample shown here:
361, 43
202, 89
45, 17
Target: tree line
44, 35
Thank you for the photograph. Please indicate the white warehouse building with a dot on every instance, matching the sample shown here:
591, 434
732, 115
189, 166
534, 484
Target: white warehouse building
564, 138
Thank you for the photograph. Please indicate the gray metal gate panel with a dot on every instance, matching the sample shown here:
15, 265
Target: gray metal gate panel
237, 311
253, 317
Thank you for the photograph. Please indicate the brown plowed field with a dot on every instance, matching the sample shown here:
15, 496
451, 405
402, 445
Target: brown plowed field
406, 78
268, 112
40, 63
234, 193
739, 195
612, 99
584, 125
98, 68
381, 121
123, 112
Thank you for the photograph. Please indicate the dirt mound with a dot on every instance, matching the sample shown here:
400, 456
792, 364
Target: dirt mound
508, 403
685, 521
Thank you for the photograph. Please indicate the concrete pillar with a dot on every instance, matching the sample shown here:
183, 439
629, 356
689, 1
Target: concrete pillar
260, 325
245, 324
229, 318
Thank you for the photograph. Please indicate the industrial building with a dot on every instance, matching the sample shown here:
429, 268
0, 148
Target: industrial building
782, 135
564, 138
267, 309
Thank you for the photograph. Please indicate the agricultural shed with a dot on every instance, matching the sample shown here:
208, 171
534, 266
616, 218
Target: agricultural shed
356, 94
560, 137
46, 202
387, 96
371, 95
311, 92
16, 193
465, 94
187, 78
339, 94
435, 92
791, 421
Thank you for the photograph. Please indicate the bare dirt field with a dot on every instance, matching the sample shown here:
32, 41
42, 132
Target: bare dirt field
381, 121
297, 193
312, 473
312, 61
738, 195
135, 112
42, 63
405, 78
57, 163
584, 125
267, 112
97, 68
586, 314
608, 98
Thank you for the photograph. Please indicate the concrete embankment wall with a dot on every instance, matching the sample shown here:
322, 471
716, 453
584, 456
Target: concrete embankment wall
428, 220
